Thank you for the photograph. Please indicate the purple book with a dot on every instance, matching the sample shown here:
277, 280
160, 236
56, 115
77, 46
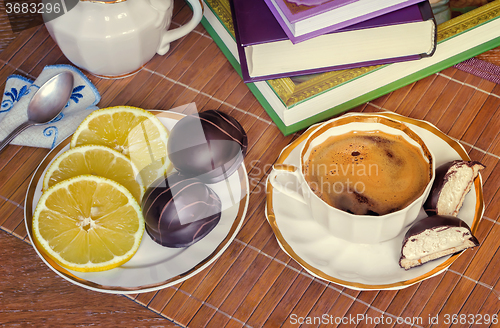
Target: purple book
305, 19
265, 51
296, 10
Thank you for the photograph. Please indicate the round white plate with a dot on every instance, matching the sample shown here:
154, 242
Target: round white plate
362, 266
153, 266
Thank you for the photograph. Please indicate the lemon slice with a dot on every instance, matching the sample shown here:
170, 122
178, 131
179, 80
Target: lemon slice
132, 131
88, 223
96, 160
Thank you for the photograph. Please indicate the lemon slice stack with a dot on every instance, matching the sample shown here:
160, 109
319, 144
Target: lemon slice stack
89, 216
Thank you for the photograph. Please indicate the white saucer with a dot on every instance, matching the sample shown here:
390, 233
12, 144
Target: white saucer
362, 266
153, 266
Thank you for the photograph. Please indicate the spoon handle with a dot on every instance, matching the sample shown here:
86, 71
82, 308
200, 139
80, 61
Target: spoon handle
14, 134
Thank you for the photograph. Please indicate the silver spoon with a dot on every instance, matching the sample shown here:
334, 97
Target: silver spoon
46, 104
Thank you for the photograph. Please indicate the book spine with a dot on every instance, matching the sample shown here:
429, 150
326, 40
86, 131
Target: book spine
241, 50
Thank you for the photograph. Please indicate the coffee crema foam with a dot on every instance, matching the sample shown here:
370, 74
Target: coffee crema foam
367, 172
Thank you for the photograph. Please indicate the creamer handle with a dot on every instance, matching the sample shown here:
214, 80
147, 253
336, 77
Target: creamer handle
177, 33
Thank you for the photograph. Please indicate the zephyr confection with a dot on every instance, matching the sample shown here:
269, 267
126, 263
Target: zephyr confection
180, 211
434, 237
452, 183
210, 145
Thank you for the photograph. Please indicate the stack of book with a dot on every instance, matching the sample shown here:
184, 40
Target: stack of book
295, 100
282, 38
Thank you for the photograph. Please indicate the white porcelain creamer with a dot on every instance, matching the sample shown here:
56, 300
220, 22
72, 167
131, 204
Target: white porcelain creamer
116, 38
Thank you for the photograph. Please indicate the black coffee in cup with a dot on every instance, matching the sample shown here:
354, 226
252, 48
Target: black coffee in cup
367, 172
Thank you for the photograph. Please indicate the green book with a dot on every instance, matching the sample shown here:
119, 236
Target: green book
295, 103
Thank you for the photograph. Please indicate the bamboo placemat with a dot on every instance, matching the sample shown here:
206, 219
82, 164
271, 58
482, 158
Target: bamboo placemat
254, 283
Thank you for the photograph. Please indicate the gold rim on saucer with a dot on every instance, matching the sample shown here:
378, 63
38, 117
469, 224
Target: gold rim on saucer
401, 284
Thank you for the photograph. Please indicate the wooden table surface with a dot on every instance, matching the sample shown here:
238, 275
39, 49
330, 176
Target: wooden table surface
254, 283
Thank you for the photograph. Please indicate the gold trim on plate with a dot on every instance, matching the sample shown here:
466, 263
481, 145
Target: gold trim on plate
288, 249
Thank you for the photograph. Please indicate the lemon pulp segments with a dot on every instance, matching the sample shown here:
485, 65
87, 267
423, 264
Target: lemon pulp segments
96, 160
88, 223
132, 131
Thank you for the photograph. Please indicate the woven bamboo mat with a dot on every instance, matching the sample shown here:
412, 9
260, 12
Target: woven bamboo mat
254, 283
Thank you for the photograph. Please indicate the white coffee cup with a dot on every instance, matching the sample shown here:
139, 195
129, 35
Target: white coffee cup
364, 229
116, 38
